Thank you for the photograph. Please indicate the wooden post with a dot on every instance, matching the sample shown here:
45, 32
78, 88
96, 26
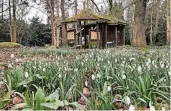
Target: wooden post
65, 35
123, 35
105, 34
98, 45
80, 38
76, 35
116, 35
89, 43
85, 42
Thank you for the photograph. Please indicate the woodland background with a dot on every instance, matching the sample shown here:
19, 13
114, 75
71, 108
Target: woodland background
147, 20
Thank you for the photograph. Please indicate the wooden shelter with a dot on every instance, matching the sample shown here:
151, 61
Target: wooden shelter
95, 31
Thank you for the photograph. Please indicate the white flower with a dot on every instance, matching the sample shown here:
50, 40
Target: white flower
60, 76
75, 70
147, 63
115, 60
149, 60
152, 108
123, 76
169, 73
153, 62
86, 83
17, 60
127, 100
132, 59
26, 75
93, 77
108, 77
139, 69
109, 88
12, 55
98, 64
107, 51
150, 104
10, 66
163, 109
162, 65
98, 75
131, 108
44, 69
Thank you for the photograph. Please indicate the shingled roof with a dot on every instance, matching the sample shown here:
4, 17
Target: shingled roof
86, 15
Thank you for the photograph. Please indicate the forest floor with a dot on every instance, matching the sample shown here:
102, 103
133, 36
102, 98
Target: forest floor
108, 67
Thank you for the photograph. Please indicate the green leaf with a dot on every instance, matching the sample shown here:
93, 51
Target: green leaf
54, 105
142, 100
40, 98
53, 96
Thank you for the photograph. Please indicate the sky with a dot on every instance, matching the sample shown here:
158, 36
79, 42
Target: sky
38, 10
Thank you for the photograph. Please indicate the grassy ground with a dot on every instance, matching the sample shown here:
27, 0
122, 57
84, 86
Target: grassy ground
89, 79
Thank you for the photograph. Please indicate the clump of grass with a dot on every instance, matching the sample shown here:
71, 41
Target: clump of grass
9, 45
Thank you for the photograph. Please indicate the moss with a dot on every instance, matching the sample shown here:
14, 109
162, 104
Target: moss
86, 15
90, 17
9, 45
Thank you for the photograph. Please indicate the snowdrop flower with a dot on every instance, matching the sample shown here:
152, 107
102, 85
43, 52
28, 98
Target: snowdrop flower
26, 75
44, 69
153, 62
132, 59
162, 65
169, 73
123, 76
12, 55
10, 66
115, 60
82, 63
60, 76
152, 108
149, 60
155, 66
86, 83
98, 75
107, 77
107, 51
75, 70
139, 69
109, 88
17, 60
147, 64
93, 77
150, 104
131, 108
163, 109
127, 100
98, 64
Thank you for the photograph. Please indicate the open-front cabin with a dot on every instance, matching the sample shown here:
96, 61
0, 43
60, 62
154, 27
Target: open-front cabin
95, 31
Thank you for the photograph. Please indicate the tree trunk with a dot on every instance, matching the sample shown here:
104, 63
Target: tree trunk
63, 18
151, 28
52, 22
14, 21
2, 9
76, 6
57, 24
10, 22
139, 39
156, 21
168, 21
